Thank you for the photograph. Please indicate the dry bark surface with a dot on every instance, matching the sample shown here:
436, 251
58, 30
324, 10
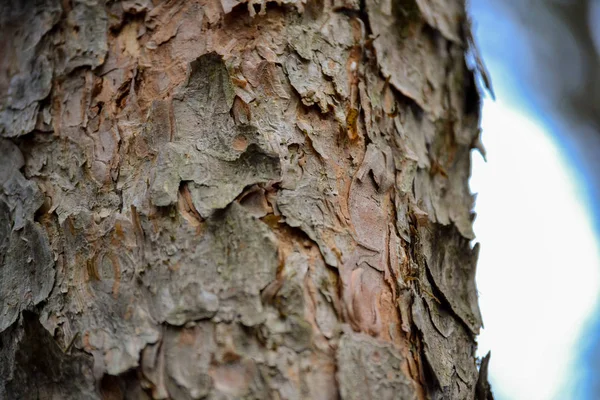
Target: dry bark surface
223, 200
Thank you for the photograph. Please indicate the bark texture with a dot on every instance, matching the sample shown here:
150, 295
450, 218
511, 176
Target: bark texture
204, 199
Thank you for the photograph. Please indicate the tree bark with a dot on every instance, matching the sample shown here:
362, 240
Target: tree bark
204, 199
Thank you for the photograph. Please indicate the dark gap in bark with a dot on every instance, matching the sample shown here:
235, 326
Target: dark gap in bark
240, 14
121, 386
439, 295
431, 383
169, 211
394, 217
240, 198
39, 364
360, 13
137, 79
406, 11
122, 94
286, 8
472, 100
111, 387
296, 232
434, 35
82, 68
184, 192
123, 17
406, 102
364, 16
237, 14
257, 7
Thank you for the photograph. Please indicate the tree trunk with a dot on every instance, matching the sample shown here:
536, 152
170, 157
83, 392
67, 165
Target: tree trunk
204, 199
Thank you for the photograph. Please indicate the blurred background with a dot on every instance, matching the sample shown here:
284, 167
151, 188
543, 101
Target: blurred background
537, 220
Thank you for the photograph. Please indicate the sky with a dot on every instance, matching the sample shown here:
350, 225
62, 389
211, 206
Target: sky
539, 267
538, 275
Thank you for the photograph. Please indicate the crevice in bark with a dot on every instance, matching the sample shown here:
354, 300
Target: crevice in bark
121, 18
443, 300
472, 97
364, 16
254, 10
38, 365
402, 100
186, 204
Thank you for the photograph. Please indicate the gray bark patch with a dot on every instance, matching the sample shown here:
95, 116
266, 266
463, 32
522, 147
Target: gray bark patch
218, 158
369, 369
27, 274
